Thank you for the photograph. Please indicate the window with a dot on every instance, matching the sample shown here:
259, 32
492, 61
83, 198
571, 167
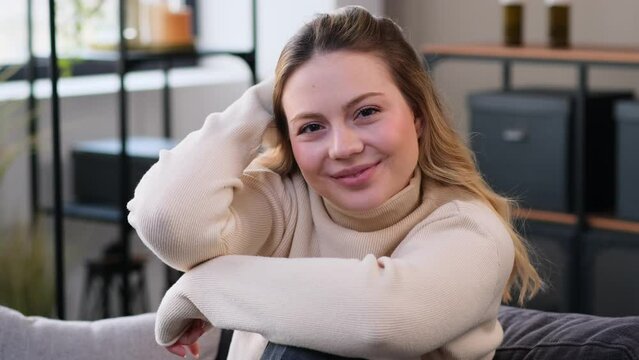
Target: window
14, 30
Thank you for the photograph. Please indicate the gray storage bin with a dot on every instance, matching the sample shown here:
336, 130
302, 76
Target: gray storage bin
523, 141
627, 116
611, 265
96, 167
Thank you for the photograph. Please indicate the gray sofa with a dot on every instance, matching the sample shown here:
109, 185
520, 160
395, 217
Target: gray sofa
528, 334
532, 334
131, 337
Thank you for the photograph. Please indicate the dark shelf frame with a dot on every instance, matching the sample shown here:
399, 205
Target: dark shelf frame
121, 62
582, 60
58, 224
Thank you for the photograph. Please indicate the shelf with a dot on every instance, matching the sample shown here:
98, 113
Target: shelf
141, 56
585, 54
92, 212
595, 221
546, 216
580, 224
105, 62
609, 223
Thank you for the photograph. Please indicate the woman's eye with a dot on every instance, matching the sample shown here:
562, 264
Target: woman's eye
366, 112
310, 128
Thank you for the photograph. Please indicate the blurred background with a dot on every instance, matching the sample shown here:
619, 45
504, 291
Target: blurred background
554, 125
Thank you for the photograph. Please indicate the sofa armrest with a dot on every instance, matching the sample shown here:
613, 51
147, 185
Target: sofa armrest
129, 337
533, 334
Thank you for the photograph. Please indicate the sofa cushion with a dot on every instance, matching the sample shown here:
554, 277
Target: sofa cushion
532, 334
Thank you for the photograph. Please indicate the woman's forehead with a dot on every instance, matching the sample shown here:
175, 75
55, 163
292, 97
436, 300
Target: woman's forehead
337, 77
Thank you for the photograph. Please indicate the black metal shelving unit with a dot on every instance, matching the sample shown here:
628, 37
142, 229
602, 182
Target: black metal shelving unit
58, 224
579, 223
123, 61
32, 114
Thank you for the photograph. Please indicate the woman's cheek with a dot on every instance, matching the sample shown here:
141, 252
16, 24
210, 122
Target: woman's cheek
305, 155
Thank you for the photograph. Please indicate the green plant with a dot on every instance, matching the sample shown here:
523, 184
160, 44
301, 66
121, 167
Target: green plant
26, 283
10, 120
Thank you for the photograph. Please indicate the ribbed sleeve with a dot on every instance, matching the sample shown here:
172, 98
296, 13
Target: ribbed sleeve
197, 202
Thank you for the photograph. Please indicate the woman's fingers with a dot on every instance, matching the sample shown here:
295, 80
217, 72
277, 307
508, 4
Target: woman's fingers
180, 350
193, 333
177, 349
195, 349
188, 340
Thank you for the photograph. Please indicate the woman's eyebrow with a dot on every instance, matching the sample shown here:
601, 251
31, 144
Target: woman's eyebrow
306, 115
359, 98
345, 108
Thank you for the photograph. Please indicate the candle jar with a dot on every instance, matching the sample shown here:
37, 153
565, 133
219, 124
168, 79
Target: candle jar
558, 23
513, 13
167, 24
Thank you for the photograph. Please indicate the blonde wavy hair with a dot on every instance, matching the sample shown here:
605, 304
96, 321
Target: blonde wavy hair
443, 157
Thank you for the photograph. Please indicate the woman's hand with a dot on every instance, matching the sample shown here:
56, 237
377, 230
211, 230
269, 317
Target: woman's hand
188, 340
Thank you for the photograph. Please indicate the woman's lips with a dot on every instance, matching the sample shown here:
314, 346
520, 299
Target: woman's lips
356, 176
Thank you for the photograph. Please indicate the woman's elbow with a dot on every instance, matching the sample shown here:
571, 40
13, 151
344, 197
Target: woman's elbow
157, 230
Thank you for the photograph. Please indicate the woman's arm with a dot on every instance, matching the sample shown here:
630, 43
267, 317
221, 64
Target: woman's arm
195, 203
444, 279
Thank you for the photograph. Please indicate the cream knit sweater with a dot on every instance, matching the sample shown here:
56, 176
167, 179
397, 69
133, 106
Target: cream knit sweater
420, 277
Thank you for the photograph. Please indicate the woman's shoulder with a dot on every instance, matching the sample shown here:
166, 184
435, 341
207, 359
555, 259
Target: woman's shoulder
453, 201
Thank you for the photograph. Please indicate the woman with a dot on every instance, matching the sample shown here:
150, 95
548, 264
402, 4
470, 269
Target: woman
366, 231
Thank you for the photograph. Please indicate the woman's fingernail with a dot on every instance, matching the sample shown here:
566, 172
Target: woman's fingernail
180, 351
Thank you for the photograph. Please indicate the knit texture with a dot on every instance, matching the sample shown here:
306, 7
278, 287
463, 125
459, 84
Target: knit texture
419, 277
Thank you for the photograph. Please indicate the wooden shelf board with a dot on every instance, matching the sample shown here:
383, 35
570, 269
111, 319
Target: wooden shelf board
547, 216
609, 223
602, 222
599, 54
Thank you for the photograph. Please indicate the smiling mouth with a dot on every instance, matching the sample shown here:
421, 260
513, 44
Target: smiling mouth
354, 171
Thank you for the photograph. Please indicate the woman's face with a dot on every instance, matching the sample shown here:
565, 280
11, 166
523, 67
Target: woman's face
353, 135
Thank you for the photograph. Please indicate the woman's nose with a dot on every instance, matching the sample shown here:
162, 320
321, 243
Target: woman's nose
345, 143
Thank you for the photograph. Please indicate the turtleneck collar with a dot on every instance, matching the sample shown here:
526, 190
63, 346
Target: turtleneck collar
383, 216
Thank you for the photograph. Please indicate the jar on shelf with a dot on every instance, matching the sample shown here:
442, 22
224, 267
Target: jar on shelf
558, 23
165, 24
513, 17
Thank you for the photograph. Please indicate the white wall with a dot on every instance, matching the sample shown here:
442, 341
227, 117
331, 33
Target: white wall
227, 24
